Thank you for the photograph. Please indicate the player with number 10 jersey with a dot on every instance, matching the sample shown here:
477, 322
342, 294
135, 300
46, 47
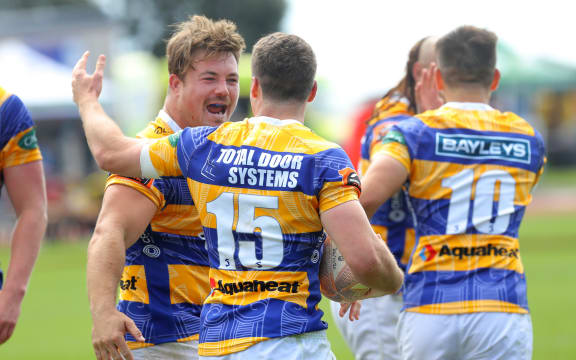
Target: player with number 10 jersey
259, 178
471, 173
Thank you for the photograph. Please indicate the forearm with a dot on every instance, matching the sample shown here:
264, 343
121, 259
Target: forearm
26, 241
106, 256
366, 254
386, 264
111, 149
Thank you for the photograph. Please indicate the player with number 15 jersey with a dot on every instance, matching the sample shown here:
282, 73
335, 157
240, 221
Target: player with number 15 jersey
255, 179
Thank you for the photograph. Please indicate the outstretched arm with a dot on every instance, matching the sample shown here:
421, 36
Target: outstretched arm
383, 179
112, 150
27, 191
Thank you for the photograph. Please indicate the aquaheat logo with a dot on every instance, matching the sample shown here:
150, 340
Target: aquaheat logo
129, 284
254, 286
428, 252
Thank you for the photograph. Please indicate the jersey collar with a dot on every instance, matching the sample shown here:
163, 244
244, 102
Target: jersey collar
467, 106
273, 121
162, 114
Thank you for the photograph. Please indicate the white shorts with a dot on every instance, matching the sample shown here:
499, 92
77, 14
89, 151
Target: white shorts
307, 346
477, 336
373, 336
174, 350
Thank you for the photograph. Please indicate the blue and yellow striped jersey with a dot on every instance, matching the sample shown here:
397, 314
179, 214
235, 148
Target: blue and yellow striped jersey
165, 277
260, 186
18, 143
392, 220
471, 173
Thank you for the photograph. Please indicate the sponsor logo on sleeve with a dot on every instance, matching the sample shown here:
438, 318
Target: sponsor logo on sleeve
394, 136
350, 177
483, 147
174, 139
29, 140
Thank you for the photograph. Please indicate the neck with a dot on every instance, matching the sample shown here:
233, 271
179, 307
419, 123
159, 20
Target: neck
473, 94
170, 109
282, 111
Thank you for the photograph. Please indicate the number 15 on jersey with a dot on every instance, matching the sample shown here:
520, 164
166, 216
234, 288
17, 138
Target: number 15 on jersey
263, 247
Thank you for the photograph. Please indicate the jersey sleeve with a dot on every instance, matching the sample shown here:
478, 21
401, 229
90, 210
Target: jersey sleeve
160, 157
18, 138
338, 181
171, 155
144, 186
399, 142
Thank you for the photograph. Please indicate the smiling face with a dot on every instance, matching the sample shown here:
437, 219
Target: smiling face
208, 93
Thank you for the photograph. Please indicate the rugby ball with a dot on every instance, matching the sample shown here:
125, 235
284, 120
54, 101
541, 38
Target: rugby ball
337, 282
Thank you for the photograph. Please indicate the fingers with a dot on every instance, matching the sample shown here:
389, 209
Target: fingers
116, 349
123, 350
355, 311
6, 331
343, 309
134, 331
100, 64
81, 64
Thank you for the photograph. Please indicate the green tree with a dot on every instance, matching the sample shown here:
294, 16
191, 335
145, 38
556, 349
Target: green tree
149, 20
27, 4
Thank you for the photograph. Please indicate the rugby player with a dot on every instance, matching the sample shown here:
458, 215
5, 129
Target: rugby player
148, 237
373, 335
22, 172
265, 188
469, 170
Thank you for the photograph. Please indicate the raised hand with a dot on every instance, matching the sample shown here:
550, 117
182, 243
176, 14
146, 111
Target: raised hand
86, 87
427, 95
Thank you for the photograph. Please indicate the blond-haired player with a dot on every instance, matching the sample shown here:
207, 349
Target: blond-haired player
148, 237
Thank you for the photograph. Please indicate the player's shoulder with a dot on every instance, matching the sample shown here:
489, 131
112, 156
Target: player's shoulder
4, 94
390, 106
13, 114
156, 128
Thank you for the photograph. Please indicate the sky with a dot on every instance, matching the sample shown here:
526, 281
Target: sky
362, 45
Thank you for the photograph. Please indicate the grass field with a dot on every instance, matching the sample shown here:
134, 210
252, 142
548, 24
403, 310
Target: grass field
55, 321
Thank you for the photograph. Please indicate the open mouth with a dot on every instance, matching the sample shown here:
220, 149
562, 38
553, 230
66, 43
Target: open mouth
218, 109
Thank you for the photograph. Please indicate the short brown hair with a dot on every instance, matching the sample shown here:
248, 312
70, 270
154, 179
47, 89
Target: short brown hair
467, 55
201, 34
285, 66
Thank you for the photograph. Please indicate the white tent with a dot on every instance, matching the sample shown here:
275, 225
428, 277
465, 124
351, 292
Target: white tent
42, 83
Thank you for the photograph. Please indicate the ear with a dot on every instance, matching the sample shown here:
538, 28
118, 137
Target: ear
495, 80
313, 92
439, 79
174, 82
255, 87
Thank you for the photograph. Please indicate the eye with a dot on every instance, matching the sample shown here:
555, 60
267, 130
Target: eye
232, 81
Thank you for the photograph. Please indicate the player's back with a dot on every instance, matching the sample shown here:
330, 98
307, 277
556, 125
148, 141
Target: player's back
472, 170
260, 186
